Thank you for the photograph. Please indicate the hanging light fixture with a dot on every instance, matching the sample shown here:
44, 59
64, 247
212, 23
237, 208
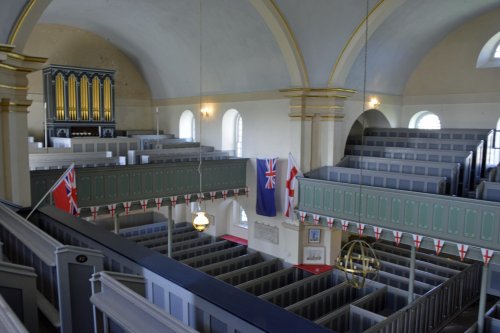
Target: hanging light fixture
200, 222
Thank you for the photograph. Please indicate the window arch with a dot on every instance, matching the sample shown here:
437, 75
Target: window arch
425, 120
187, 126
232, 132
490, 53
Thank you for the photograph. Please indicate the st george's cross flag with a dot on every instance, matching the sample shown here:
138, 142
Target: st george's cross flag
64, 192
266, 186
292, 172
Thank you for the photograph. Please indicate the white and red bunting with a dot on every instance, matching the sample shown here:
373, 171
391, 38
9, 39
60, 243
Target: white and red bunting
438, 245
462, 250
397, 236
187, 198
201, 196
212, 195
144, 204
173, 200
360, 227
112, 209
94, 210
224, 194
487, 255
158, 202
126, 206
329, 222
247, 190
345, 225
302, 216
417, 240
236, 192
316, 218
378, 232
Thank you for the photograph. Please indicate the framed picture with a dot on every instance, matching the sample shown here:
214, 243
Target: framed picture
314, 236
314, 255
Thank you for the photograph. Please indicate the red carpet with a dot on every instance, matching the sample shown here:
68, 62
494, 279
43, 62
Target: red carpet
315, 269
235, 239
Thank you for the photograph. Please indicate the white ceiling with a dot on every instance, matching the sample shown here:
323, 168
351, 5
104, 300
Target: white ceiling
241, 54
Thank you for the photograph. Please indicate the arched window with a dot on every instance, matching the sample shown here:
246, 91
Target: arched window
232, 132
425, 120
240, 216
187, 126
496, 55
489, 56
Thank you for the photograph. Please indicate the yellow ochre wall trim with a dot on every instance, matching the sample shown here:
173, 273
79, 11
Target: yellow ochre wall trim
20, 21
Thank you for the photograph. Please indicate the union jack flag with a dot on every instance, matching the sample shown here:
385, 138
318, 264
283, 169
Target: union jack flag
270, 173
64, 192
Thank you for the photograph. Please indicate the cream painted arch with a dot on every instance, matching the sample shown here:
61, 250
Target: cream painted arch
380, 12
285, 39
26, 22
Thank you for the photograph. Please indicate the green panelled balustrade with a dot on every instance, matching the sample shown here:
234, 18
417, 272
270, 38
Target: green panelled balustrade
106, 185
459, 220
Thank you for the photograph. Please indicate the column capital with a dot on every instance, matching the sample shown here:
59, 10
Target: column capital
327, 103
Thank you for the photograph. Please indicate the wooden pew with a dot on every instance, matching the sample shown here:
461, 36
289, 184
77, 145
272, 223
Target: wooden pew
449, 170
418, 183
476, 146
431, 155
62, 271
487, 135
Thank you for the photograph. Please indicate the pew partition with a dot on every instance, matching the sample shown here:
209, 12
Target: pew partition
9, 322
476, 146
431, 155
409, 182
196, 299
117, 305
449, 170
18, 289
487, 135
62, 271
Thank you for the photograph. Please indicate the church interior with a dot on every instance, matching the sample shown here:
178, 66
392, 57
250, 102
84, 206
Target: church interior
250, 166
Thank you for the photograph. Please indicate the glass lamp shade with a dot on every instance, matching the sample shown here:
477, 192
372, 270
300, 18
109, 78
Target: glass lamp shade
200, 222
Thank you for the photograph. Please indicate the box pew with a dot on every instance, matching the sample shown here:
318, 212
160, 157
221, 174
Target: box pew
273, 281
154, 242
449, 170
184, 245
160, 233
232, 264
148, 141
134, 155
418, 183
9, 322
328, 300
488, 191
431, 155
207, 156
62, 271
487, 135
18, 294
401, 282
216, 257
118, 146
494, 174
45, 161
251, 272
123, 309
366, 311
296, 291
476, 146
202, 249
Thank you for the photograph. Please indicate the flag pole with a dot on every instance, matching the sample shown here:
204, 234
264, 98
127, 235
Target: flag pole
58, 181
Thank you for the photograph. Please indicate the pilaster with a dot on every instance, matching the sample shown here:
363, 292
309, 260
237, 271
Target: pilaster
14, 163
317, 116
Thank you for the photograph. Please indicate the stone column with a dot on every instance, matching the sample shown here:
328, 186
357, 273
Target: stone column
317, 130
14, 164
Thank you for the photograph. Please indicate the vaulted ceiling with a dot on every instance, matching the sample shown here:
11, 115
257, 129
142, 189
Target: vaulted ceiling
259, 45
